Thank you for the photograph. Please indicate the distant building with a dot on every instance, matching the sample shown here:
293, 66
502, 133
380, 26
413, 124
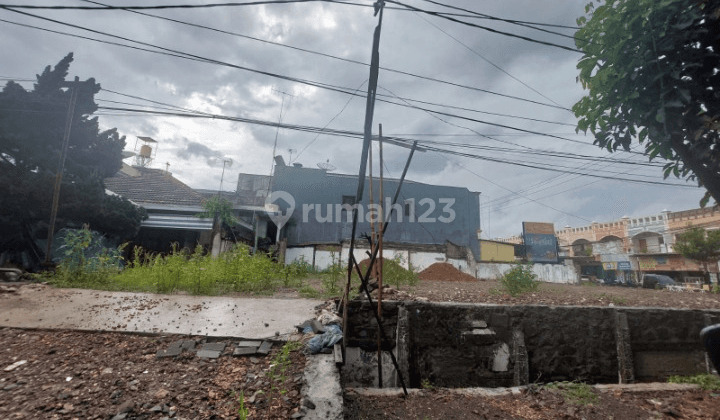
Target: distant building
623, 250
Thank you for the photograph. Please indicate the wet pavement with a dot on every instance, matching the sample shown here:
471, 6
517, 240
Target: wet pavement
38, 306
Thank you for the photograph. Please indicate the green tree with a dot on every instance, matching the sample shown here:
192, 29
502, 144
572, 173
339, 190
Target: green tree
222, 207
651, 71
698, 245
32, 124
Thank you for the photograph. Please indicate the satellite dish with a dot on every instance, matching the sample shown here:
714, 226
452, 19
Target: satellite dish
127, 154
326, 166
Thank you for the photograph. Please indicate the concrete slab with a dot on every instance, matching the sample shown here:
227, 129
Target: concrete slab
213, 347
36, 306
171, 352
208, 354
321, 388
245, 351
265, 347
247, 343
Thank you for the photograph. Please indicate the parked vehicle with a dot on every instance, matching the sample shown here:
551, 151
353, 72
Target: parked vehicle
652, 281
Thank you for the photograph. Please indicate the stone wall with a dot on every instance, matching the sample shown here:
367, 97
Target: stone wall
466, 345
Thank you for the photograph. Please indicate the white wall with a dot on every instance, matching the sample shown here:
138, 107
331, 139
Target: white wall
550, 273
295, 254
423, 260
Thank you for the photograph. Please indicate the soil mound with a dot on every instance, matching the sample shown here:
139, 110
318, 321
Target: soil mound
444, 272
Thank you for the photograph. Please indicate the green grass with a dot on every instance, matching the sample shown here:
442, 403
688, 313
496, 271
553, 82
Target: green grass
577, 393
705, 380
197, 273
237, 270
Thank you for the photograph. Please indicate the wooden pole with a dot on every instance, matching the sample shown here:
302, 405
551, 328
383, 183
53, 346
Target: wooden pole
74, 87
380, 261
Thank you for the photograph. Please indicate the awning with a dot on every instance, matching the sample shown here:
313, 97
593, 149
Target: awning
171, 221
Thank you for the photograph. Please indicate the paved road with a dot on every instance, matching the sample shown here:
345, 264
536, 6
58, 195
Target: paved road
37, 306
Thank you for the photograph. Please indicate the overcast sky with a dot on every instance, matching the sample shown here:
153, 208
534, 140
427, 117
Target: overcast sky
410, 42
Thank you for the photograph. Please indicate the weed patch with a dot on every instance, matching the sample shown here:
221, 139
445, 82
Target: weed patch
575, 392
519, 279
705, 380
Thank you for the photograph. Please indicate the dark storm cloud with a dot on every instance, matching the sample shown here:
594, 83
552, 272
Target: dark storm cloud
194, 149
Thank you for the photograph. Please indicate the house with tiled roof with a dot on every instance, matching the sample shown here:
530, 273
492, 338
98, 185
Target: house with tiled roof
172, 206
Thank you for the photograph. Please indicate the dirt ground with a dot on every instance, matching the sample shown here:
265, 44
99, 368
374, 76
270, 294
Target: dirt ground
86, 375
555, 295
543, 403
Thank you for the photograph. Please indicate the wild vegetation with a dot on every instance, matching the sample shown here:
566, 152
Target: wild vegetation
518, 280
238, 270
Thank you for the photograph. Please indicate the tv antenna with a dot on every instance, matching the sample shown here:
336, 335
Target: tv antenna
326, 166
291, 153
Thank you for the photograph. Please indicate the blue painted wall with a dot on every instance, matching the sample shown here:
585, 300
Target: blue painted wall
315, 186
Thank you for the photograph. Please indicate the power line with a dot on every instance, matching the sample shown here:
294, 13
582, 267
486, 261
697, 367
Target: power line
353, 134
550, 44
329, 122
192, 57
486, 59
167, 6
347, 60
508, 189
514, 22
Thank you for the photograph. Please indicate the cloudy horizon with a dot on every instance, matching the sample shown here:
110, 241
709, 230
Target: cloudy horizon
415, 43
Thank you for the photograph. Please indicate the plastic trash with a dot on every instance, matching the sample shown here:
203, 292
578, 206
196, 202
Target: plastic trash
326, 340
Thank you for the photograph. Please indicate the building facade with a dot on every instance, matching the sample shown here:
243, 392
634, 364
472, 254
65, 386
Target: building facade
321, 212
625, 249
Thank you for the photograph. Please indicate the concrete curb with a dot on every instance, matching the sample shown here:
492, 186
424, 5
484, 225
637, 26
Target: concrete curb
517, 390
322, 393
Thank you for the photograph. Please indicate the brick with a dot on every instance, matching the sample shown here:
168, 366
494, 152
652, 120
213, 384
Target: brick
245, 351
213, 347
246, 343
265, 347
208, 354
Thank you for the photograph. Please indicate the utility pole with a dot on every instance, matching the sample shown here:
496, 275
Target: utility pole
369, 111
74, 87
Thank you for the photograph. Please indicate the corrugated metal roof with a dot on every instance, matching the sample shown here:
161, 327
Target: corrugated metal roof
167, 221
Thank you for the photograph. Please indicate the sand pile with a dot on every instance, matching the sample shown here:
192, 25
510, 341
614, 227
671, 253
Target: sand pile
444, 272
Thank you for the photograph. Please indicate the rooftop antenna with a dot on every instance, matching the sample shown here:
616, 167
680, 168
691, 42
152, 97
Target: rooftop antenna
167, 167
291, 153
226, 161
326, 166
145, 154
282, 104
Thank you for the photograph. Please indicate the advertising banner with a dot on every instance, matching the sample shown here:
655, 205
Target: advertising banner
540, 242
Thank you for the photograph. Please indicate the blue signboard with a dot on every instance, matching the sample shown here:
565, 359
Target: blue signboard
624, 265
541, 247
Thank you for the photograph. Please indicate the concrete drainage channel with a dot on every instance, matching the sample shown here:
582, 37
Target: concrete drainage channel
496, 346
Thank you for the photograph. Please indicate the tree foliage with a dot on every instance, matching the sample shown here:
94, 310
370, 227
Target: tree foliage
222, 207
32, 125
699, 245
651, 71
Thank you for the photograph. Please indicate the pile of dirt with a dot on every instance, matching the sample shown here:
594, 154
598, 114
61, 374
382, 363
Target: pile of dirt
444, 272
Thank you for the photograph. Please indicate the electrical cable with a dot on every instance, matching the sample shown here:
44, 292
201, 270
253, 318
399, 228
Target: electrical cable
348, 61
486, 59
550, 44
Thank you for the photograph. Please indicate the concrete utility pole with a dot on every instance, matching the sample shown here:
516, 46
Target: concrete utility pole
74, 87
369, 110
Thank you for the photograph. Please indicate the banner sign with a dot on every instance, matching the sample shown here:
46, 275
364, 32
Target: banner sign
540, 242
624, 265
609, 266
